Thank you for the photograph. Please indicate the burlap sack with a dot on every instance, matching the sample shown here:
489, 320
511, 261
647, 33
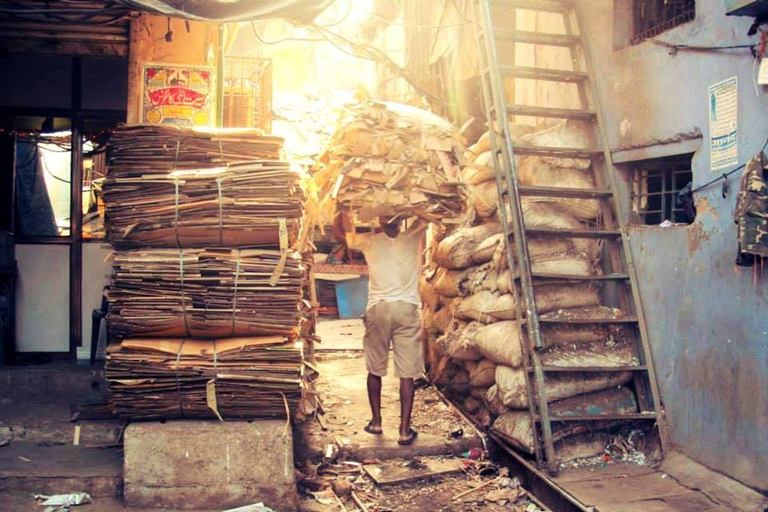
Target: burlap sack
533, 171
458, 343
442, 317
479, 170
487, 307
485, 198
514, 394
492, 401
516, 426
500, 343
455, 251
483, 374
472, 404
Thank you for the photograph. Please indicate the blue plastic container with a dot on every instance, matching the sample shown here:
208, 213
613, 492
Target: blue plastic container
352, 296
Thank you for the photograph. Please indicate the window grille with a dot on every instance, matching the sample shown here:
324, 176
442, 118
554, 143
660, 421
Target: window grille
656, 184
248, 93
652, 17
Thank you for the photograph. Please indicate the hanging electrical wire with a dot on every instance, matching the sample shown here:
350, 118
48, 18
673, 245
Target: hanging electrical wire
726, 175
370, 52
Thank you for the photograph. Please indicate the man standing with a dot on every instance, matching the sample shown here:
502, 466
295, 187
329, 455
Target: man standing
393, 315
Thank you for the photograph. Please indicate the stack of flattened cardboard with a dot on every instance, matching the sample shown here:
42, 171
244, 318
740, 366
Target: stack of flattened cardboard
206, 324
236, 205
228, 378
387, 159
138, 149
205, 293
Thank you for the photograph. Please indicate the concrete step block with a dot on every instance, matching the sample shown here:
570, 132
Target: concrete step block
33, 469
189, 464
49, 422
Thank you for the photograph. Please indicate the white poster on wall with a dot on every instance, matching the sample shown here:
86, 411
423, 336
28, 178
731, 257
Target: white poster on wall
723, 125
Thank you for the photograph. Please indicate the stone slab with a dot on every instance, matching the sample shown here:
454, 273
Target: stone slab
189, 465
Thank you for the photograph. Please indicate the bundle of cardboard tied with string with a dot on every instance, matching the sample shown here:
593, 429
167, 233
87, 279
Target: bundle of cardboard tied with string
472, 318
175, 187
208, 304
388, 159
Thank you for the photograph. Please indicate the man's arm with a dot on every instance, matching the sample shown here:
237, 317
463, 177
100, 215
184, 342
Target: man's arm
417, 226
342, 227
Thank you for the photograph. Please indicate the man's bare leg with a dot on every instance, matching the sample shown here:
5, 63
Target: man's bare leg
374, 399
406, 407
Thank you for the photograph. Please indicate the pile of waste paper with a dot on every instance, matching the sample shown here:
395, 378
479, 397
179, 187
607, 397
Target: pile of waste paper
388, 159
208, 304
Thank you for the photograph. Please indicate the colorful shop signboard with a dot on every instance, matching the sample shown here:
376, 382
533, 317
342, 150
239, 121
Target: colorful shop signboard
179, 95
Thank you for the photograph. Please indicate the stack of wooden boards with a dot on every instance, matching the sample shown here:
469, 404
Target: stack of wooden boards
474, 334
388, 159
207, 301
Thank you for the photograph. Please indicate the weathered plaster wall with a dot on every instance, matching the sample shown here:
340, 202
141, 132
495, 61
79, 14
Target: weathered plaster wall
197, 46
708, 320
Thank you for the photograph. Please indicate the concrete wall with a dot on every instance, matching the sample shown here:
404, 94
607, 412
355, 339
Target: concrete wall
707, 319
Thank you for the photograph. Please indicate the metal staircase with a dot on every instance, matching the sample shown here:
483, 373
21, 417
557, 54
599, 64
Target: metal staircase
618, 280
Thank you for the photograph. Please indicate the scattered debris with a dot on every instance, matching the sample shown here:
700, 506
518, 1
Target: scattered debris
256, 507
25, 459
62, 502
6, 434
394, 471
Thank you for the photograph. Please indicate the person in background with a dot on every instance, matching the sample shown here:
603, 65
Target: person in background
393, 313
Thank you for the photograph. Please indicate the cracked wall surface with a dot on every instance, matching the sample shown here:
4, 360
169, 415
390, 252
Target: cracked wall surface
707, 319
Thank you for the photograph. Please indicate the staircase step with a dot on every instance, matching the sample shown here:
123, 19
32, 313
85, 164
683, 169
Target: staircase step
574, 233
550, 75
50, 422
575, 193
561, 113
593, 369
524, 149
533, 5
542, 38
580, 321
34, 469
576, 277
602, 417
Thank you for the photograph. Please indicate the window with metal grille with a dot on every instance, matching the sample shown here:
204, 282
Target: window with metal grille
652, 17
656, 187
247, 93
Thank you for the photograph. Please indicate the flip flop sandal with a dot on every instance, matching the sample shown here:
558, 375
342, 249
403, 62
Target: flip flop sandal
377, 432
408, 440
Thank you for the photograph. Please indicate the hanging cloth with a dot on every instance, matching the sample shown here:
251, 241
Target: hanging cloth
751, 213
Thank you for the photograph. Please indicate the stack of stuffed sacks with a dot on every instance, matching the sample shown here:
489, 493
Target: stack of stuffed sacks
475, 340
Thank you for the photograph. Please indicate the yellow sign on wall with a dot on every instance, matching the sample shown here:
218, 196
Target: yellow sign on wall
179, 95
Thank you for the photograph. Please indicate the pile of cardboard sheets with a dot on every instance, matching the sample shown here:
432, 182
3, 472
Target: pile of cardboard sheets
140, 149
236, 205
205, 293
388, 159
226, 378
207, 300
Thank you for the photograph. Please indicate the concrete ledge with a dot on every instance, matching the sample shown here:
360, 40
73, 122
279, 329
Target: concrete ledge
31, 469
209, 465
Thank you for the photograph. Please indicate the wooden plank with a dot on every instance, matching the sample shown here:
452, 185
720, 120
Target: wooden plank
587, 193
558, 152
390, 472
551, 75
539, 38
